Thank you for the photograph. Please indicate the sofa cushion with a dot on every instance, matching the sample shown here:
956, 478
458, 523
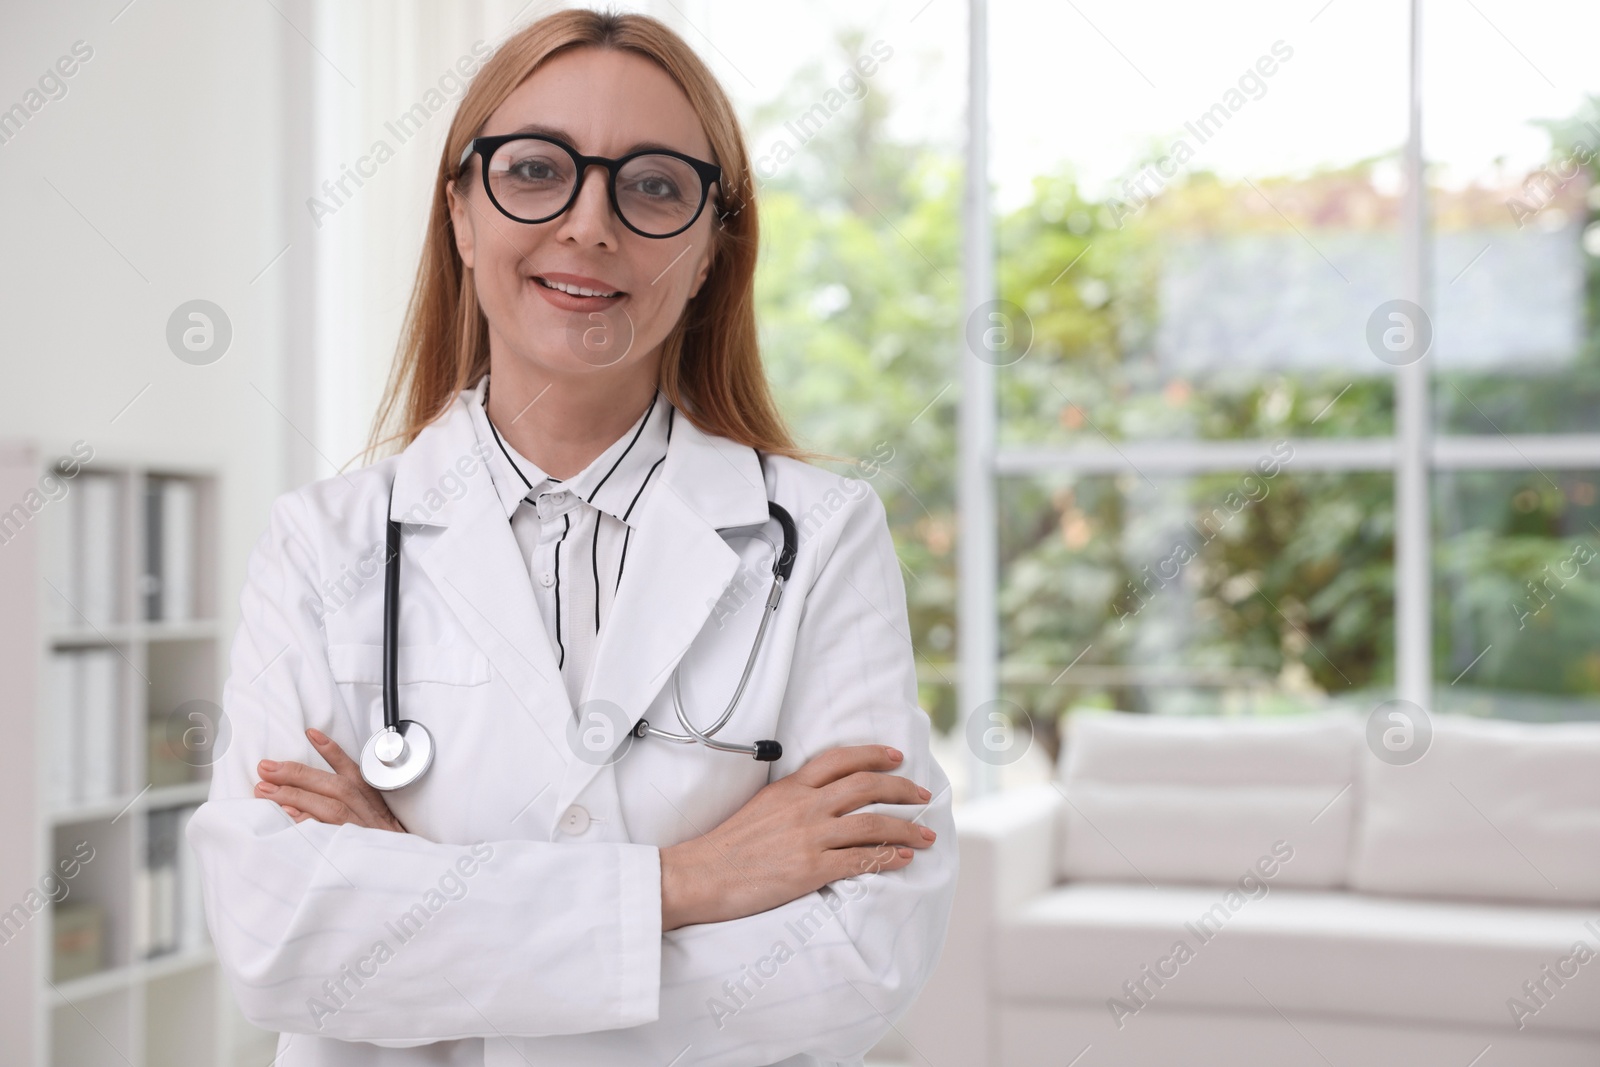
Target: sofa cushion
1293, 951
1034, 1034
1173, 799
1493, 809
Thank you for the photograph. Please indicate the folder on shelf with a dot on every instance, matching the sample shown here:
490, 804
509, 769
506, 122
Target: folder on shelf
66, 741
192, 932
60, 560
171, 520
139, 912
97, 540
161, 863
97, 724
150, 579
86, 712
178, 542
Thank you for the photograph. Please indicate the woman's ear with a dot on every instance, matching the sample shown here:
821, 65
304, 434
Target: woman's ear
460, 222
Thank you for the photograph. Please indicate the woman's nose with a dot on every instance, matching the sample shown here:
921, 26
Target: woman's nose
590, 216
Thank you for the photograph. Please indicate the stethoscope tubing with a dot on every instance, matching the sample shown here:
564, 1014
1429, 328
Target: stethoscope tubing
782, 565
397, 763
391, 625
692, 734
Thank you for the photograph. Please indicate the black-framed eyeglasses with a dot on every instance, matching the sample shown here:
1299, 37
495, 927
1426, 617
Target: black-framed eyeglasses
533, 178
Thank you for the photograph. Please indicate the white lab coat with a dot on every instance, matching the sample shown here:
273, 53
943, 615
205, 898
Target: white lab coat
519, 922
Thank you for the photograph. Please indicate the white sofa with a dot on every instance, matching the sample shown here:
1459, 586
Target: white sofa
1336, 910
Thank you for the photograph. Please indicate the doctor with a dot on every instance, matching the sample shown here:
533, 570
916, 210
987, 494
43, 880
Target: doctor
579, 539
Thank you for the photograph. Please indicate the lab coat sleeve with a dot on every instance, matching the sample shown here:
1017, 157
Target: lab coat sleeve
829, 973
368, 935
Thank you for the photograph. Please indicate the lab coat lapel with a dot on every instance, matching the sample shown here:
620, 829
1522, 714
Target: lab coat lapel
676, 570
478, 570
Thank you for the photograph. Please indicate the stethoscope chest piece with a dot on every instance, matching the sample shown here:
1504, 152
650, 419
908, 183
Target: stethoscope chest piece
394, 757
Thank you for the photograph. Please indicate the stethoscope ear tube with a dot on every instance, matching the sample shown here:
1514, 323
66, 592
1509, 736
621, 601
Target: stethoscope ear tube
401, 751
391, 624
783, 563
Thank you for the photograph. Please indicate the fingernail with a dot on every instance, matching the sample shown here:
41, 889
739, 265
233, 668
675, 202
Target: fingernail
895, 753
317, 735
269, 765
905, 853
928, 834
267, 787
923, 793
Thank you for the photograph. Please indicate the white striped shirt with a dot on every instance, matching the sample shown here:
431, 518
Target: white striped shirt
574, 533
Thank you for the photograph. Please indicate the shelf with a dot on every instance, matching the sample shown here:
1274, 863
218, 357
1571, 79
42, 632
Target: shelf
125, 632
165, 796
168, 796
123, 544
96, 812
114, 978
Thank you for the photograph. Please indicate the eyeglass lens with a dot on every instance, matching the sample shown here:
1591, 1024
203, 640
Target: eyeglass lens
532, 180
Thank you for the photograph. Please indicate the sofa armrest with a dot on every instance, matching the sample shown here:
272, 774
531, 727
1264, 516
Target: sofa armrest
1009, 840
1007, 843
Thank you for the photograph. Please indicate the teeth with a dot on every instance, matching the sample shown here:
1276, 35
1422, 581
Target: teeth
575, 290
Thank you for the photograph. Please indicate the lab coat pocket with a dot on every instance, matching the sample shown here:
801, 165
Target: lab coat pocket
435, 680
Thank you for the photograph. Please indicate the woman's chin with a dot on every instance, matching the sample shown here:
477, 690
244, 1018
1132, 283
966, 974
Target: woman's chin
562, 348
593, 339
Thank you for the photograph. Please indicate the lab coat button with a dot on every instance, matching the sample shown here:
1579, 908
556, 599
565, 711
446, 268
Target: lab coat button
547, 579
576, 820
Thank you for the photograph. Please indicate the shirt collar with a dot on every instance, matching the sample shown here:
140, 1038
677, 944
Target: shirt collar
613, 481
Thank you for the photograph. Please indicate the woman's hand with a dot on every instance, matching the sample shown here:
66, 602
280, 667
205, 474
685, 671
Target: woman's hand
341, 797
793, 837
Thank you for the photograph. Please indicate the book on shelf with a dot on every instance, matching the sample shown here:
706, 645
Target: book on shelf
83, 557
171, 519
78, 933
85, 707
168, 912
191, 925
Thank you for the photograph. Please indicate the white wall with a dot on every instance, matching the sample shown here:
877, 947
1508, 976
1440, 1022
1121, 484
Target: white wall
155, 179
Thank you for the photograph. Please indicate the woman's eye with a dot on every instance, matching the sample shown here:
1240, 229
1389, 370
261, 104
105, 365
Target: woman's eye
658, 188
532, 170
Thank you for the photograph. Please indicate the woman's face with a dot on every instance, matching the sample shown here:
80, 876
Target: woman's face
602, 102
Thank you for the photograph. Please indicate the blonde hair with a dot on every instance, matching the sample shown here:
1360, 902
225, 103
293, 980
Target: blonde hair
710, 360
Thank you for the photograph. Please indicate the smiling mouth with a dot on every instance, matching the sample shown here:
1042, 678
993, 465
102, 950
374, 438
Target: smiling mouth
575, 290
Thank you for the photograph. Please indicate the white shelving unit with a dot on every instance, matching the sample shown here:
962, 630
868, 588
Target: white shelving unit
132, 1010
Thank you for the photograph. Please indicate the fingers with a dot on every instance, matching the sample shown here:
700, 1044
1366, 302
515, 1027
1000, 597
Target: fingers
329, 750
869, 828
836, 763
322, 808
294, 813
326, 797
290, 773
873, 787
867, 859
342, 796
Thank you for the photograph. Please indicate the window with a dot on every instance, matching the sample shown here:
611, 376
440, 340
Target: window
1204, 258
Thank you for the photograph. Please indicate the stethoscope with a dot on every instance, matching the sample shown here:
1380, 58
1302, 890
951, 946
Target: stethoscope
402, 751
